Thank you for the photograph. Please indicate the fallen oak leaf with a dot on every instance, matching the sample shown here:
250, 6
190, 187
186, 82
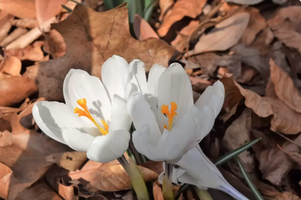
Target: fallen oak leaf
99, 36
143, 30
24, 152
11, 65
284, 87
67, 192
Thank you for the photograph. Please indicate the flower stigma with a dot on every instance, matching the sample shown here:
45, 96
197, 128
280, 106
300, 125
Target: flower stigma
86, 113
170, 114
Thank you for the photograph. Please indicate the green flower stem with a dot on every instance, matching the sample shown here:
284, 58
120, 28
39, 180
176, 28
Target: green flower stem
203, 194
167, 184
136, 178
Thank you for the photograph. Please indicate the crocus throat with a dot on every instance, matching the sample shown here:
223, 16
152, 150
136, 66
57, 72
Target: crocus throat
170, 114
86, 113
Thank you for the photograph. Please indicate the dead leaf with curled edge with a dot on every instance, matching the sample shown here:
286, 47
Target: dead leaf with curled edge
224, 35
91, 38
143, 30
109, 176
24, 152
181, 8
284, 87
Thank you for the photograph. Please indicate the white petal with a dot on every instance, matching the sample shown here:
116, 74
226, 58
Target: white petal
213, 97
114, 73
141, 114
76, 139
120, 117
174, 86
137, 75
201, 172
52, 117
152, 86
108, 147
78, 84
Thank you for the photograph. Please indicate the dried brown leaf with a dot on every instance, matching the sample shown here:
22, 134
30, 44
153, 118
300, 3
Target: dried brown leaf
225, 34
19, 8
24, 152
11, 65
157, 192
284, 87
55, 44
47, 9
5, 178
143, 30
25, 23
67, 192
238, 134
31, 52
15, 89
165, 5
274, 164
181, 8
256, 24
4, 30
98, 40
12, 36
68, 160
38, 191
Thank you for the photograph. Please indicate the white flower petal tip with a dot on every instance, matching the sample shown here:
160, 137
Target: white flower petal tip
109, 147
233, 192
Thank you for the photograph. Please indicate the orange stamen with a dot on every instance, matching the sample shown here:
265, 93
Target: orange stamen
170, 114
86, 113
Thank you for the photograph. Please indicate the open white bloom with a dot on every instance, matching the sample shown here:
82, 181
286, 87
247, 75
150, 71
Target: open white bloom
168, 124
196, 169
94, 118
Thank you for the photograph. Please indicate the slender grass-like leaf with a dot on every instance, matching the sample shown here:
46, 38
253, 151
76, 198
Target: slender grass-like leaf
109, 4
134, 7
76, 2
148, 9
66, 8
235, 152
182, 189
248, 181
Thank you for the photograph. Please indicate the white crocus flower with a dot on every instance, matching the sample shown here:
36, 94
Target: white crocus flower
196, 169
168, 124
172, 133
94, 118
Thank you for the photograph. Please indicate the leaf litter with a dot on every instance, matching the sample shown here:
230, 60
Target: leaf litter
252, 46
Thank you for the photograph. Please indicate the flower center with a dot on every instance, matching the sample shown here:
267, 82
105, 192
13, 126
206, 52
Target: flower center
170, 114
86, 113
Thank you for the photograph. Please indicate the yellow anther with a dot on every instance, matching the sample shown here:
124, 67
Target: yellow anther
170, 114
86, 113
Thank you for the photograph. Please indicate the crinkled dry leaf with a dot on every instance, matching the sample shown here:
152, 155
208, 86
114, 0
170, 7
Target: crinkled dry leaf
68, 160
181, 8
165, 5
15, 89
18, 32
274, 164
284, 87
19, 8
38, 191
55, 44
238, 134
24, 151
4, 30
5, 179
285, 26
225, 34
154, 166
99, 36
256, 24
109, 176
11, 65
143, 30
67, 192
31, 52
